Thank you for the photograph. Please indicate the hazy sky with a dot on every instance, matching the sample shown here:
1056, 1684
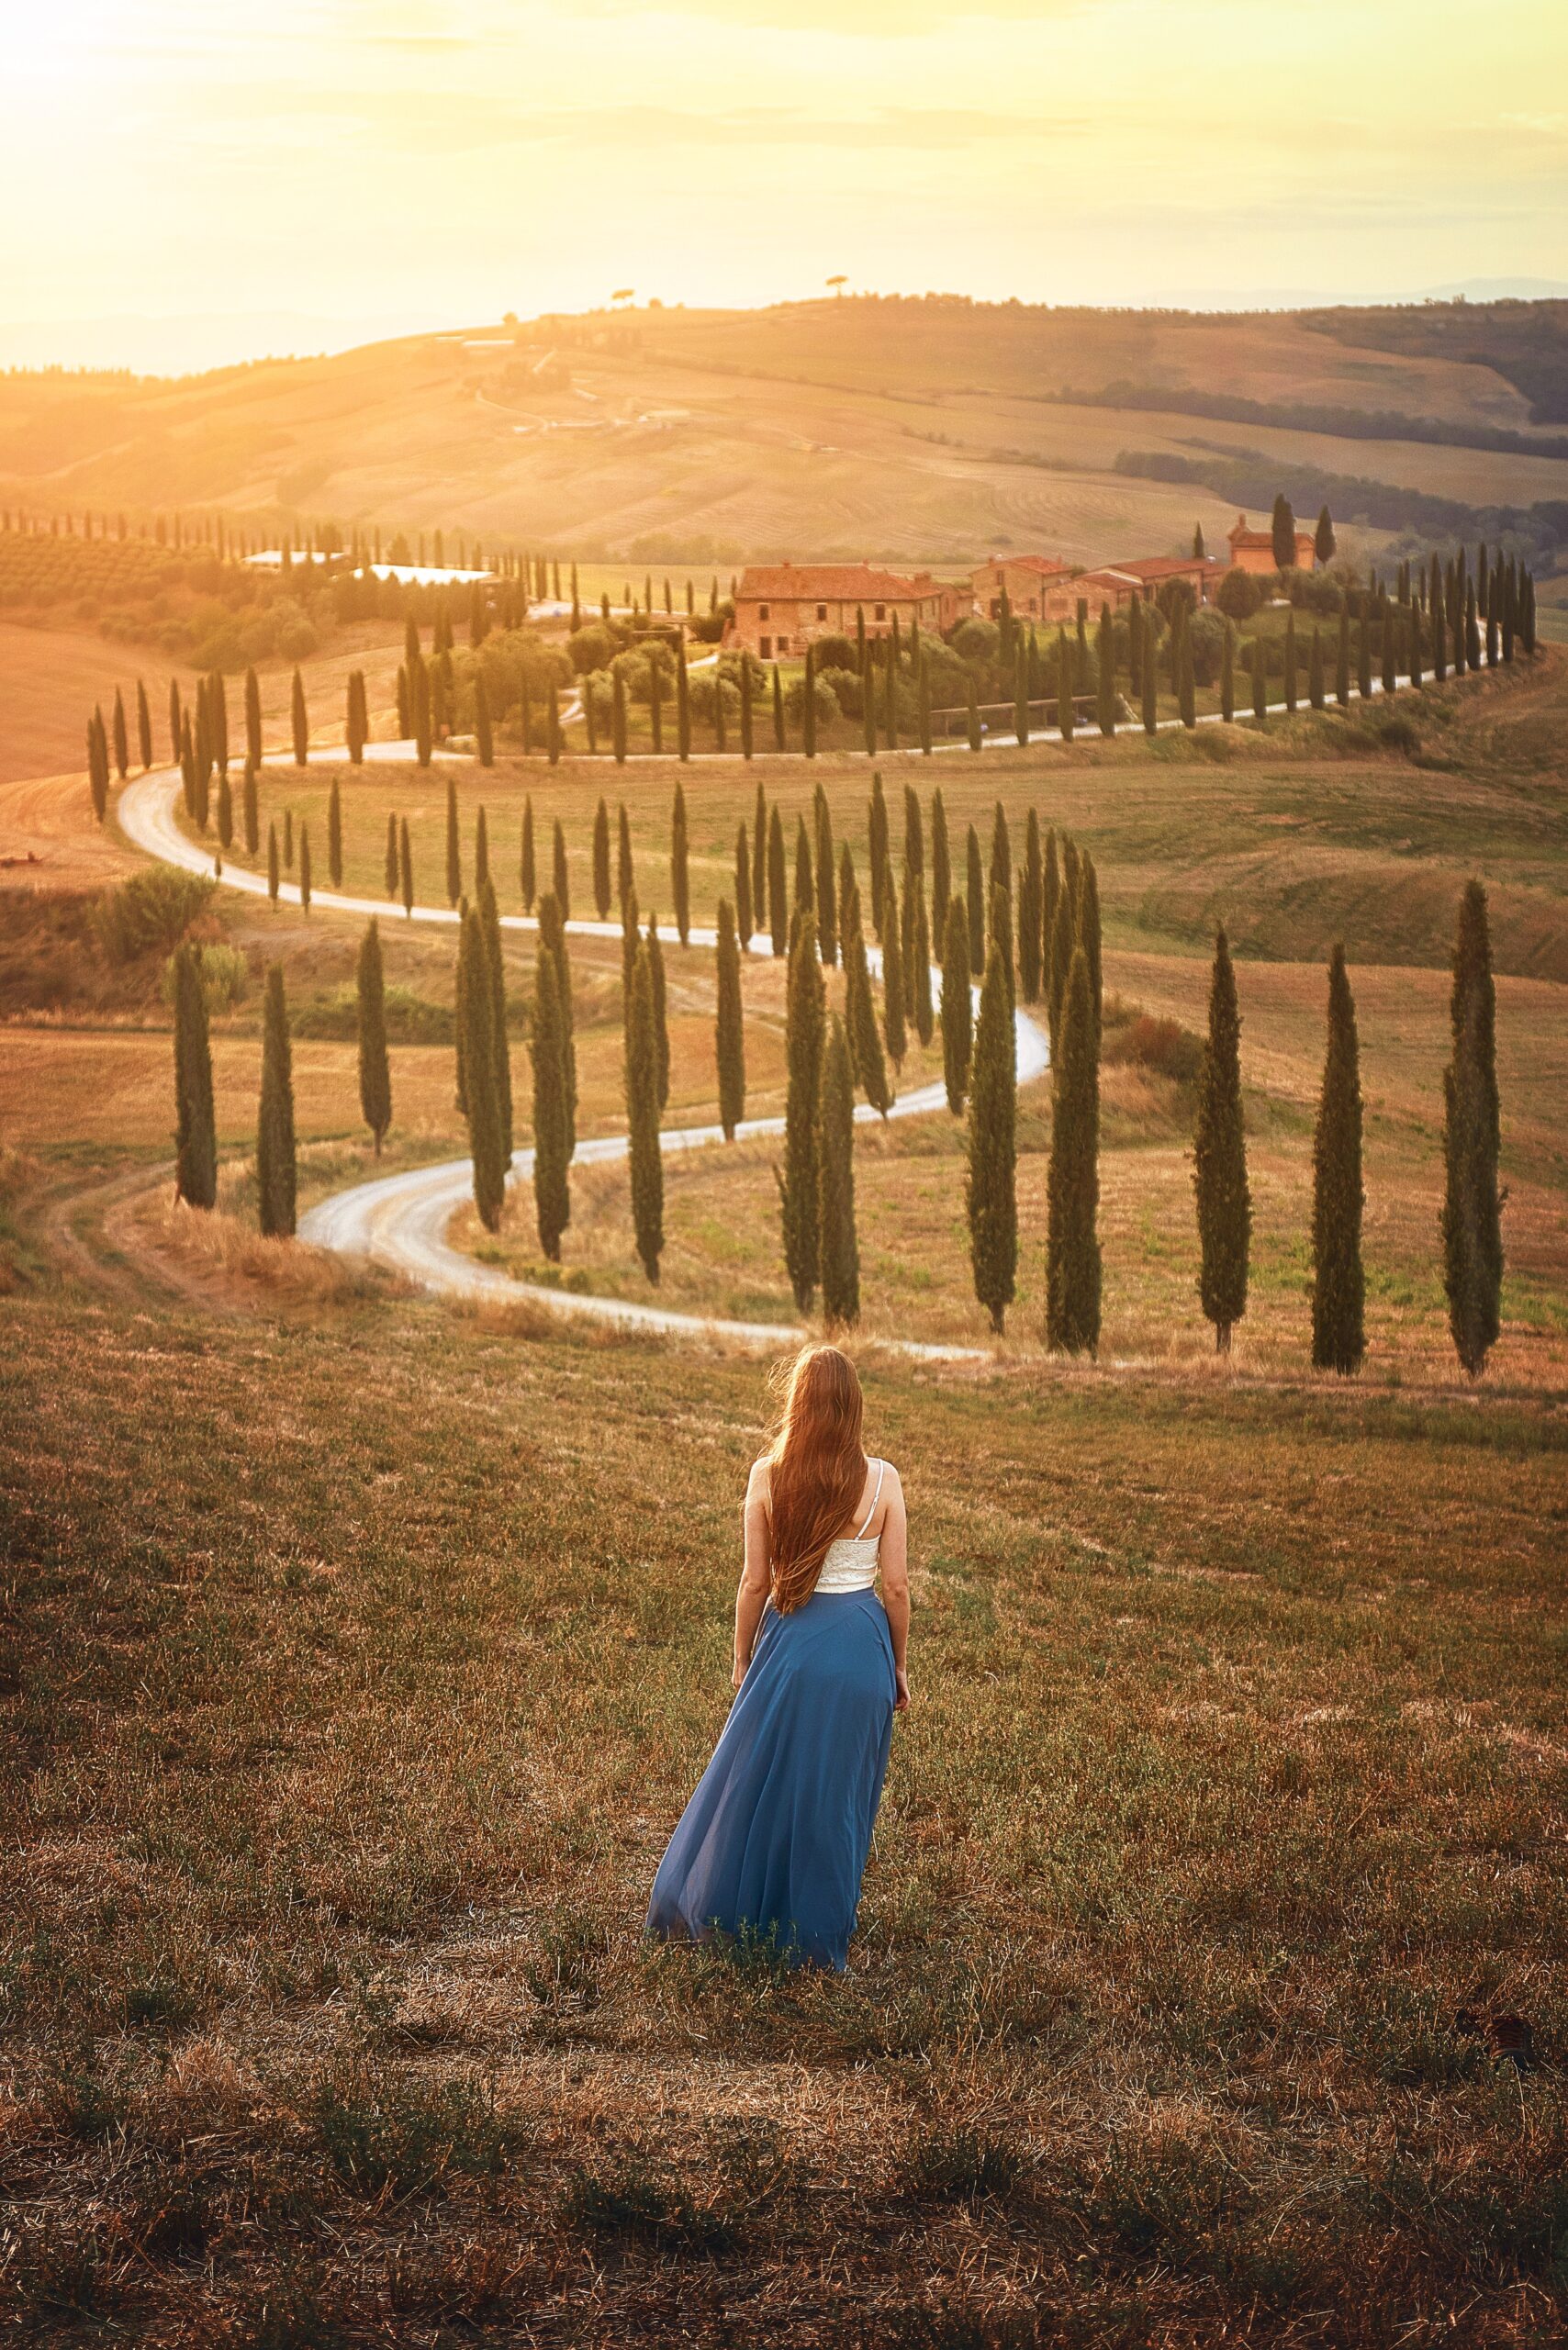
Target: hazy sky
406, 162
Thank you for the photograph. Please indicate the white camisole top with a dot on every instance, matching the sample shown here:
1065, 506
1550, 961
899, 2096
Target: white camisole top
851, 1561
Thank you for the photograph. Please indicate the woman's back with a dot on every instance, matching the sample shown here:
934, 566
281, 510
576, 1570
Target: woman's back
850, 1563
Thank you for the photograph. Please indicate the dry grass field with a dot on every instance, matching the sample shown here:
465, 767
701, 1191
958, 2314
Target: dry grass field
357, 1653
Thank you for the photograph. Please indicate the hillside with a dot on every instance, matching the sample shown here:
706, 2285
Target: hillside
927, 428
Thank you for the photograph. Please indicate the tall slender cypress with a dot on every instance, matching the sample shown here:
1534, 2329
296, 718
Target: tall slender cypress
496, 974
304, 869
1227, 672
476, 1015
941, 866
453, 846
894, 991
527, 874
825, 879
683, 709
745, 705
643, 1117
958, 1009
859, 1009
777, 892
880, 850
729, 1029
374, 1066
300, 722
838, 1253
553, 933
1472, 1199
195, 1127
1290, 695
547, 1048
805, 1013
1219, 1158
390, 876
276, 1182
1338, 1285
334, 837
992, 1189
481, 850
680, 867
1315, 689
275, 876
406, 866
745, 919
759, 861
661, 1009
1031, 888
974, 900
560, 881
1073, 1181
601, 861
626, 870
252, 717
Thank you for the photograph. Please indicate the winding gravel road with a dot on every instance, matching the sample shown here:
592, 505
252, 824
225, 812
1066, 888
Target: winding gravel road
402, 1221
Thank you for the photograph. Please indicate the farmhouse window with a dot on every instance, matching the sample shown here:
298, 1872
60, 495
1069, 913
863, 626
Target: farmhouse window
821, 611
881, 611
763, 612
783, 644
765, 647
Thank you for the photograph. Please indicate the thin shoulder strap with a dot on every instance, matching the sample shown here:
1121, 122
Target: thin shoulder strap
876, 1498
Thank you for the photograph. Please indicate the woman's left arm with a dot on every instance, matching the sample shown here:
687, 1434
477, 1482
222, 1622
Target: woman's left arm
752, 1596
893, 1560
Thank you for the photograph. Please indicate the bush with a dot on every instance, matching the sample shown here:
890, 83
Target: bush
412, 1019
1239, 595
225, 975
593, 647
1151, 1041
836, 652
151, 911
1206, 633
976, 640
826, 700
846, 690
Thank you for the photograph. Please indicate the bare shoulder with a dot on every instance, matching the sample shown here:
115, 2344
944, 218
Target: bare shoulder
757, 1483
893, 1483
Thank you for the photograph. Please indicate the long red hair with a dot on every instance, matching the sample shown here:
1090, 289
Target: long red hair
816, 1470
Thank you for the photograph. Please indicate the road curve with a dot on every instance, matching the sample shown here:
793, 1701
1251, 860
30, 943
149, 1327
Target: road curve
402, 1221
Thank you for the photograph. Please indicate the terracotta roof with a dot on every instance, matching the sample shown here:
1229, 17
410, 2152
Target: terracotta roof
831, 583
1048, 566
1168, 567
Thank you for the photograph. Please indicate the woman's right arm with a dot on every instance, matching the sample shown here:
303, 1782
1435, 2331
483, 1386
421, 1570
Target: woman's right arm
752, 1596
893, 1560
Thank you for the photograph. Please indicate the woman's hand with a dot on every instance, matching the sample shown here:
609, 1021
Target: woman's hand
739, 1674
900, 1686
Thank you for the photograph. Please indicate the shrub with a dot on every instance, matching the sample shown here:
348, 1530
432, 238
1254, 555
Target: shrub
1153, 1041
151, 911
825, 699
1239, 595
225, 975
1206, 634
976, 640
845, 687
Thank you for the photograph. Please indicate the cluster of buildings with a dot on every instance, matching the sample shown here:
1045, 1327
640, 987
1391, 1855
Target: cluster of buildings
781, 608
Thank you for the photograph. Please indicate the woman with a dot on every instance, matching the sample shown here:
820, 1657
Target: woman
774, 1841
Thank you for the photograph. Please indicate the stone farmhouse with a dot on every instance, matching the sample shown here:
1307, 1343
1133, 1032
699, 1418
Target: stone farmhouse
1024, 578
781, 608
1254, 550
1117, 584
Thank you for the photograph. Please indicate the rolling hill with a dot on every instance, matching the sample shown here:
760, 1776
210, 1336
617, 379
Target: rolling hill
931, 429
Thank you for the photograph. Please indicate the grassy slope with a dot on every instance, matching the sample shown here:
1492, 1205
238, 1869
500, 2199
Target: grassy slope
829, 429
346, 1729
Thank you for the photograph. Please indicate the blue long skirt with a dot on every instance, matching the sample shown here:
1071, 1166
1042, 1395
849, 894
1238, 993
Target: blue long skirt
775, 1838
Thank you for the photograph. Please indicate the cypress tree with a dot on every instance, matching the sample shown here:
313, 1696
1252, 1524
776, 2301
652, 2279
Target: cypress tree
177, 723
526, 873
730, 1025
1186, 681
1150, 681
1050, 898
1283, 528
1316, 688
923, 703
560, 879
1105, 672
97, 766
304, 869
744, 919
453, 846
998, 927
992, 1194
195, 1127
778, 896
1020, 694
476, 1013
806, 1013
121, 738
880, 850
275, 1178
1073, 1181
826, 884
805, 886
1259, 684
683, 709
860, 1010
547, 1048
745, 705
643, 1117
253, 716
894, 991
1364, 658
1063, 939
1413, 625
1472, 631
920, 956
300, 722
358, 728
143, 727
941, 866
1088, 930
1290, 662
1324, 542
375, 1067
890, 702
495, 976
406, 866
481, 850
601, 860
680, 867
1339, 1286
972, 711
1001, 850
225, 813
625, 868
1066, 708
553, 744
553, 933
809, 706
1342, 657
661, 1013
484, 730
334, 831
779, 737
1227, 672
1472, 1199
287, 839
390, 874
1388, 648
1135, 645
759, 861
1219, 1158
274, 876
1437, 621
957, 1010
974, 886
1031, 889
838, 1254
